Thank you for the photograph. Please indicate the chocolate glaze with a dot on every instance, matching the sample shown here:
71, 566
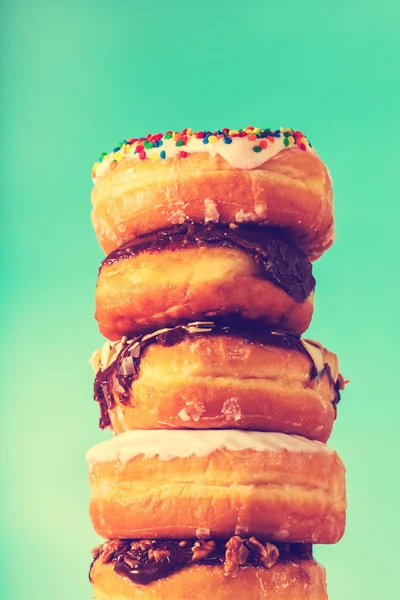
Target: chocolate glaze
132, 561
277, 260
120, 374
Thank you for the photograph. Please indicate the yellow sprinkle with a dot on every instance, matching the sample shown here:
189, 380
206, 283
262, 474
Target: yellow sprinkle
291, 140
189, 131
212, 139
233, 132
118, 156
256, 129
126, 148
153, 156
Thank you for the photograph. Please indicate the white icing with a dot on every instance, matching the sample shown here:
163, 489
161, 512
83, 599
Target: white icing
170, 444
239, 153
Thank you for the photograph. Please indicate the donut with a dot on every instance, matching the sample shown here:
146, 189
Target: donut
198, 569
257, 176
193, 272
209, 376
216, 483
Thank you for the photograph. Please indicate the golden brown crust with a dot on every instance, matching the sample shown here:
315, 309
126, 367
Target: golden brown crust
292, 190
158, 289
221, 381
284, 495
295, 580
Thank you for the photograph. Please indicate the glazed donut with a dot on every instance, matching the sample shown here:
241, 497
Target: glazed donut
216, 483
206, 376
179, 569
256, 176
197, 271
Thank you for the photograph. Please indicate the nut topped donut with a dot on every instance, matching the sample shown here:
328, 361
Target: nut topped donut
192, 272
209, 376
219, 569
259, 176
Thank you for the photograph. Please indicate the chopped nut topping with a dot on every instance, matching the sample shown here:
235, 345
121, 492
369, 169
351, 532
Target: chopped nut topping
109, 550
268, 554
236, 554
130, 562
96, 552
160, 554
202, 549
145, 544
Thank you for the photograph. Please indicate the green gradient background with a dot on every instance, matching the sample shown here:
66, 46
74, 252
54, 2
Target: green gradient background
79, 77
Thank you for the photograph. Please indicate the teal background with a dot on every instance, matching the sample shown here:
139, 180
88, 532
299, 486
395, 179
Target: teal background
79, 77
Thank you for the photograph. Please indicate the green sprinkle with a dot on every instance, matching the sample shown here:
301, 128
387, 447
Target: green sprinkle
180, 143
168, 136
257, 149
286, 142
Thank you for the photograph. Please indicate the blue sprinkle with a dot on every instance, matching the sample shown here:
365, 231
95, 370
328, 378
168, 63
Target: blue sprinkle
205, 140
277, 134
156, 144
162, 154
160, 143
219, 132
227, 140
117, 149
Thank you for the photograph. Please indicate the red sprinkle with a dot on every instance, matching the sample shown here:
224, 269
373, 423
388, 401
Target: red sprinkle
200, 135
139, 148
303, 147
263, 144
142, 155
183, 154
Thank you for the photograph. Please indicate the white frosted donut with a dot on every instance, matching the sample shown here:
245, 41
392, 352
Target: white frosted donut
172, 484
255, 176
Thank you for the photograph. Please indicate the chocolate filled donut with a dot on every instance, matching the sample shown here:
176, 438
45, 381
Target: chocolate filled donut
209, 375
192, 272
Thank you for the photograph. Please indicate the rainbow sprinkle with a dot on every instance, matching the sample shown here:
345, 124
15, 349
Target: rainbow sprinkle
151, 146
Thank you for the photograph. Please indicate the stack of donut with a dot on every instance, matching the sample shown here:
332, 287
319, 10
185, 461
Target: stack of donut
218, 480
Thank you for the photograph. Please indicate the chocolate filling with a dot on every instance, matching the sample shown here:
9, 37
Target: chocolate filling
278, 261
120, 374
144, 561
